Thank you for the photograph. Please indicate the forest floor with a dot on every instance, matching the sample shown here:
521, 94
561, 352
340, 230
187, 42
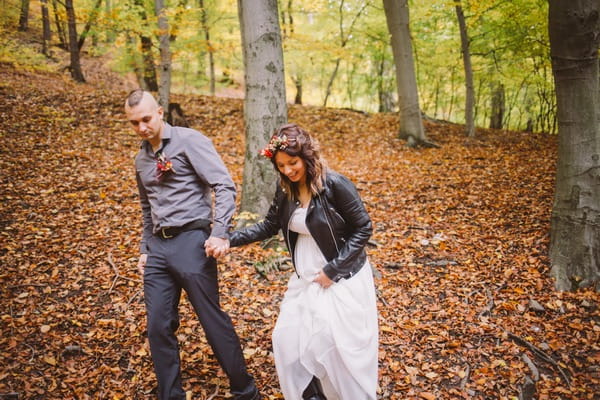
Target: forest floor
467, 309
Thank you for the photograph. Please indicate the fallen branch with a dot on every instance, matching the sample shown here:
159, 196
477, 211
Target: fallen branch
465, 379
110, 262
380, 297
534, 370
540, 353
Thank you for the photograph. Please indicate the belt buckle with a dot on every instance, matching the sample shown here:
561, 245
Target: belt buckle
164, 234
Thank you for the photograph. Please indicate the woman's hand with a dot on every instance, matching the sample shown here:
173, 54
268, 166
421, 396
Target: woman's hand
323, 280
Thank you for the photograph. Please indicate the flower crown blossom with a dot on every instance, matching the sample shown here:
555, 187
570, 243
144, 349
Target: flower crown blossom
163, 165
275, 144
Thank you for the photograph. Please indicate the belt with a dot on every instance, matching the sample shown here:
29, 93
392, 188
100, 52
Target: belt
172, 231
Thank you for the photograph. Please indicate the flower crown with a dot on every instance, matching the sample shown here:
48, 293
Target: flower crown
276, 143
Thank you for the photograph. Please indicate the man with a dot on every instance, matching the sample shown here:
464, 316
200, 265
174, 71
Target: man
176, 170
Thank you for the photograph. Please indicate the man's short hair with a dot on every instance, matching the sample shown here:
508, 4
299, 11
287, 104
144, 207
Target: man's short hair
135, 97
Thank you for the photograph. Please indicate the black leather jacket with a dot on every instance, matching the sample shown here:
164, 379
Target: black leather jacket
336, 218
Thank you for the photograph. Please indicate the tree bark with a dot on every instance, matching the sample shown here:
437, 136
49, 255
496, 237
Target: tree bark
298, 85
574, 28
470, 88
75, 66
60, 29
164, 85
149, 69
210, 48
265, 106
88, 24
498, 107
24, 16
46, 33
411, 124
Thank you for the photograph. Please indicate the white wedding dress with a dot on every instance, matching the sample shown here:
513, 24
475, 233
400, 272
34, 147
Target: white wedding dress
329, 333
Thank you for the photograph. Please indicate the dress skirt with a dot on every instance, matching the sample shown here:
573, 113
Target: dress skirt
328, 333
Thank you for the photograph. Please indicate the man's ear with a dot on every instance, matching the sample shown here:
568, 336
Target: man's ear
161, 111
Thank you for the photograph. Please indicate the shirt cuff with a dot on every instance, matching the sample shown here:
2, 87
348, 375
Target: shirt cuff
220, 232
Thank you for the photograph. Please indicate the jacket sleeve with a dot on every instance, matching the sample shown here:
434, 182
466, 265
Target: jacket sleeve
262, 230
346, 202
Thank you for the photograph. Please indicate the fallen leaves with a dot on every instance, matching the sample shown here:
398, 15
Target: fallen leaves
459, 249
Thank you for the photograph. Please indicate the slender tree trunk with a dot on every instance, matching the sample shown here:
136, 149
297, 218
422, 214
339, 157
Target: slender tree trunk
345, 36
470, 88
574, 28
137, 63
298, 84
411, 124
498, 106
24, 17
149, 69
60, 29
265, 106
209, 46
88, 24
110, 34
330, 82
46, 33
75, 66
164, 85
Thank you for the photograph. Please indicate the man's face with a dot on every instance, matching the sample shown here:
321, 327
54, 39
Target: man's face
146, 119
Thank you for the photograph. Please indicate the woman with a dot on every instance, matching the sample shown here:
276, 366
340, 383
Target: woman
326, 337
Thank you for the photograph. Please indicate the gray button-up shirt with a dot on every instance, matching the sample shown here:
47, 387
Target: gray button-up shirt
184, 194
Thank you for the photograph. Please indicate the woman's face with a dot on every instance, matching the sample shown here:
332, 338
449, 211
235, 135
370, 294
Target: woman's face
291, 166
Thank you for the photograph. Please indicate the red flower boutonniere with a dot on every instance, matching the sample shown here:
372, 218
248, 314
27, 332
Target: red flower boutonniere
163, 166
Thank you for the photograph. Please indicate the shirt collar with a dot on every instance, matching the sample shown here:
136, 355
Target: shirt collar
165, 138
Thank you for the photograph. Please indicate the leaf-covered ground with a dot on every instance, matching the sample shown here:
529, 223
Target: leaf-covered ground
466, 307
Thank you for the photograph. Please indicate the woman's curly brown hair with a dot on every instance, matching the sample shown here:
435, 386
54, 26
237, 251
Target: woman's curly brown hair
301, 144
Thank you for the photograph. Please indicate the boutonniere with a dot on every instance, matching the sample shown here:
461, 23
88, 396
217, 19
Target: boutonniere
163, 165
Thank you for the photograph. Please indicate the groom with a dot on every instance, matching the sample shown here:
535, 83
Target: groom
177, 169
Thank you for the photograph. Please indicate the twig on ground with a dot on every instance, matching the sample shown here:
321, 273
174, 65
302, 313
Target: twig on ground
540, 353
535, 374
110, 262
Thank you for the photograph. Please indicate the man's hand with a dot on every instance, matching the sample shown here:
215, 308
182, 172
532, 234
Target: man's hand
216, 247
142, 263
323, 280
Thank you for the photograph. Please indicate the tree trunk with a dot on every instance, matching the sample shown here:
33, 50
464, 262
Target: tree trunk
164, 85
498, 107
470, 88
574, 28
298, 84
330, 83
24, 16
88, 24
345, 36
411, 124
60, 29
209, 46
149, 69
265, 106
110, 34
46, 33
75, 66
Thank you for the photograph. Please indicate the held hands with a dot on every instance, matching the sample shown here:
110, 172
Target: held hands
216, 247
323, 280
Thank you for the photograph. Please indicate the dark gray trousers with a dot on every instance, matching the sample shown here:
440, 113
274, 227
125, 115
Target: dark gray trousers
181, 263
